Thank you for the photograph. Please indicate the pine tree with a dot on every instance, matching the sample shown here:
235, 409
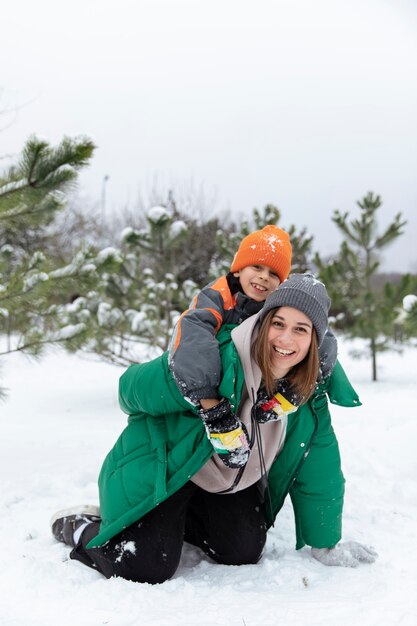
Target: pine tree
131, 313
360, 310
32, 192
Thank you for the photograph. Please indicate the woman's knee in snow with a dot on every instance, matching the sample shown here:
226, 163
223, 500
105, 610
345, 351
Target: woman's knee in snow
245, 555
157, 569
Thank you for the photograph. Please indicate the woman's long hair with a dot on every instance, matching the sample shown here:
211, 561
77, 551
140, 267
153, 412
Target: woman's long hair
302, 376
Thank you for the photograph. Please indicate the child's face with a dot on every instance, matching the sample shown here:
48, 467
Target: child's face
257, 281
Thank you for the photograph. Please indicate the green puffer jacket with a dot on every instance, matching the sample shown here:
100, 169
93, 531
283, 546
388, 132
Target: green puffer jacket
165, 444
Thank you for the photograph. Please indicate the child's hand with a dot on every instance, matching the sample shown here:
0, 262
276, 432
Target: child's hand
328, 354
226, 433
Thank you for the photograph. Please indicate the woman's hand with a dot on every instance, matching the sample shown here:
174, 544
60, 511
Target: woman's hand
271, 409
345, 554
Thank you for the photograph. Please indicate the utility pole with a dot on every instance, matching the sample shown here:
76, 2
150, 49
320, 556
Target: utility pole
103, 197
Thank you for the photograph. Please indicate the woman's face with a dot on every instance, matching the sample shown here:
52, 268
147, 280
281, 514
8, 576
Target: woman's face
289, 339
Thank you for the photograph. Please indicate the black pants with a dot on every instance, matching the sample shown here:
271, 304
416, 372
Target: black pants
231, 529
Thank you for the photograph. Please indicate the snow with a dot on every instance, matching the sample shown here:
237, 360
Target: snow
33, 279
65, 167
178, 227
138, 319
88, 268
125, 546
126, 232
68, 332
108, 315
108, 253
158, 214
62, 417
7, 249
409, 302
71, 268
14, 185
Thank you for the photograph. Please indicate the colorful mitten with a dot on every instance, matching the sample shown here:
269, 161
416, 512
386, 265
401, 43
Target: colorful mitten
283, 402
226, 434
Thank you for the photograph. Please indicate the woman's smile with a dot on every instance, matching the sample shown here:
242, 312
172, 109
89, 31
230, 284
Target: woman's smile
282, 351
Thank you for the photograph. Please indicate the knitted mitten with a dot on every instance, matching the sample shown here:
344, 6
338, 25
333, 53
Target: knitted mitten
284, 401
226, 434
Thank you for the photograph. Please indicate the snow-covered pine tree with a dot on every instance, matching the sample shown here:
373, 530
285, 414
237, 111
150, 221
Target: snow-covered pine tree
130, 314
360, 310
31, 287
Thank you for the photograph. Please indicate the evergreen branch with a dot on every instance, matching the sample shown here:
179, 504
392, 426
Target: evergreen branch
112, 356
393, 231
132, 277
370, 202
12, 186
35, 344
341, 222
35, 211
33, 150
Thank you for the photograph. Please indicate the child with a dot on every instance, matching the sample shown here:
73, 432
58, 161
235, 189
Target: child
262, 262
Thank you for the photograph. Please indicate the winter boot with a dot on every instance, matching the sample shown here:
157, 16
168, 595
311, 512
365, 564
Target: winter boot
68, 524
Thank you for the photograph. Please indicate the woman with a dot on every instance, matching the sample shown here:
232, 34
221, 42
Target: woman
163, 484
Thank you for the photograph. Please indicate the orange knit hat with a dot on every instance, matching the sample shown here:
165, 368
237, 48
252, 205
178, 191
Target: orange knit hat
270, 246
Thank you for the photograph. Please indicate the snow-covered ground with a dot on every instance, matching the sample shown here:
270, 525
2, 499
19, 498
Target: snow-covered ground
60, 419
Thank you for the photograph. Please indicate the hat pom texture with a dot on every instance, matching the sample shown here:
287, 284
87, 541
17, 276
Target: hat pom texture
269, 246
305, 293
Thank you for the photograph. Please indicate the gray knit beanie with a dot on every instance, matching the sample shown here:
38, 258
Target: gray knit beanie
305, 293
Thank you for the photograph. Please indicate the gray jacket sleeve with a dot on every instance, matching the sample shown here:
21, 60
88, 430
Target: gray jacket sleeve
193, 353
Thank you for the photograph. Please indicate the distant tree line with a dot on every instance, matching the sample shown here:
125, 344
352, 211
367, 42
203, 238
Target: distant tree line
116, 289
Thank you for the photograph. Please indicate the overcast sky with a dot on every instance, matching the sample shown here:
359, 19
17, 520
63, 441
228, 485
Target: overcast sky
305, 104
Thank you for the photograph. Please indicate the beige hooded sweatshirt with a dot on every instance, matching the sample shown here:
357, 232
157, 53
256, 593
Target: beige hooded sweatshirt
214, 476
